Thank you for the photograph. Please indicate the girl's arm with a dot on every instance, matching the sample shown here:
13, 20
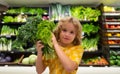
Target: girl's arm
66, 62
40, 67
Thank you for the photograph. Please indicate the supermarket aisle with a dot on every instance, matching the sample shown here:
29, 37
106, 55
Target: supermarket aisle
82, 70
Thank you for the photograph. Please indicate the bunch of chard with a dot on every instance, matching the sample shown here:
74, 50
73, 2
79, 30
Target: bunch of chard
44, 34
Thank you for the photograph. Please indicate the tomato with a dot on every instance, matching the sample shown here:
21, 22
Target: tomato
112, 27
118, 26
106, 26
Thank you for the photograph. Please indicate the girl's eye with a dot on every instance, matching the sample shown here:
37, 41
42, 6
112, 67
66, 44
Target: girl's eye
72, 32
64, 30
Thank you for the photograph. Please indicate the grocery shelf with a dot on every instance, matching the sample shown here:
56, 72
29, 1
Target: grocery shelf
115, 38
114, 13
113, 30
115, 46
92, 52
16, 14
13, 23
98, 53
112, 22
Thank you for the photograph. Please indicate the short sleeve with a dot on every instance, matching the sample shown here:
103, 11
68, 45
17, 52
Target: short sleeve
76, 54
46, 62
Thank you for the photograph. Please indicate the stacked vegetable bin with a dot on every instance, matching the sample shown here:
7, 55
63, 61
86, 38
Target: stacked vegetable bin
12, 22
111, 34
12, 52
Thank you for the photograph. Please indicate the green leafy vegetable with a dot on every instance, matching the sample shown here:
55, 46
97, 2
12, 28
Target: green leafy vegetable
90, 28
44, 33
90, 44
85, 13
27, 32
19, 10
7, 19
36, 29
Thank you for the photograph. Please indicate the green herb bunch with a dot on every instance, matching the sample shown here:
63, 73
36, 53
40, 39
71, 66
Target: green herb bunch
44, 33
27, 33
36, 29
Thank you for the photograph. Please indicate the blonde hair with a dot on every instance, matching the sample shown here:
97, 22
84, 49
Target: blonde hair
77, 25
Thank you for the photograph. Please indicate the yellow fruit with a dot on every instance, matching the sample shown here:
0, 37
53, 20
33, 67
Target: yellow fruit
118, 34
108, 8
109, 34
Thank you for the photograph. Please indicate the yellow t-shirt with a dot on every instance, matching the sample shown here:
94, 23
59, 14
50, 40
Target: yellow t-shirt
73, 52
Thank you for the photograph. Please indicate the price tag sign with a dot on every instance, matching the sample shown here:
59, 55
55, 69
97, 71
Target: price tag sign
8, 36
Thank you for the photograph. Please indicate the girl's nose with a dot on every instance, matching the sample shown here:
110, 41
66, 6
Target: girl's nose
67, 33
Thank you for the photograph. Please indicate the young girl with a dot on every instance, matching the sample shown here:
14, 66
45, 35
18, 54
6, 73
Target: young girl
66, 40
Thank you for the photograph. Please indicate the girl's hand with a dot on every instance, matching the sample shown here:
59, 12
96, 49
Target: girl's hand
54, 41
39, 46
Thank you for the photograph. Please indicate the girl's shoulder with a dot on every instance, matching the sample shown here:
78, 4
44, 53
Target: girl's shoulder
77, 46
73, 47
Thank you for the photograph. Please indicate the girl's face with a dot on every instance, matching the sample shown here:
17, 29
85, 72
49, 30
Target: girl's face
67, 34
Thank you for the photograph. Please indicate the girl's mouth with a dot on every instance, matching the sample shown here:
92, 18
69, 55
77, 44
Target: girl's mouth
66, 38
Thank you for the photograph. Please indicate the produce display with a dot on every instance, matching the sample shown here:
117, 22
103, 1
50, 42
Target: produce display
37, 26
94, 61
80, 12
36, 29
85, 13
111, 34
23, 60
5, 44
58, 11
26, 33
26, 10
112, 26
18, 18
5, 58
17, 36
29, 60
90, 28
114, 58
7, 30
90, 42
108, 9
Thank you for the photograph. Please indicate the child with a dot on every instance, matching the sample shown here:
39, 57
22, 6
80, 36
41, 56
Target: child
66, 41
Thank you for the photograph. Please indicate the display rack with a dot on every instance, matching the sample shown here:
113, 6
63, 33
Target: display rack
110, 38
99, 53
12, 21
